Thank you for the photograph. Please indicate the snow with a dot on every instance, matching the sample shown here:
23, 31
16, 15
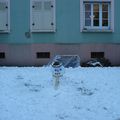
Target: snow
27, 93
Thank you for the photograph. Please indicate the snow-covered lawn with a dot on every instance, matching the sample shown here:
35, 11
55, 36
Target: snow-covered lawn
27, 93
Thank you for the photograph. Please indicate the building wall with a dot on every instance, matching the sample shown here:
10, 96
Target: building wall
25, 55
67, 25
20, 45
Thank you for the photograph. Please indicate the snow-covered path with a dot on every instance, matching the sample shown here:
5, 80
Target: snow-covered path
27, 93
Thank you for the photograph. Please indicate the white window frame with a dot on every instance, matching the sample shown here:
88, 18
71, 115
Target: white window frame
83, 28
8, 17
41, 30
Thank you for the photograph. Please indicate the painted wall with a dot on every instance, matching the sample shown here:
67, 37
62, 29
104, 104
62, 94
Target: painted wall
67, 25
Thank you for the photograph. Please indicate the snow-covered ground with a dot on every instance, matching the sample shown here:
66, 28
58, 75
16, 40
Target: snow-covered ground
27, 93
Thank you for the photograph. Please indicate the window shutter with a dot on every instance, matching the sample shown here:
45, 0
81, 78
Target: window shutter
43, 17
37, 15
3, 16
48, 15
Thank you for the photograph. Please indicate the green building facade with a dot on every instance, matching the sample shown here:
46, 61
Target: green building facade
34, 31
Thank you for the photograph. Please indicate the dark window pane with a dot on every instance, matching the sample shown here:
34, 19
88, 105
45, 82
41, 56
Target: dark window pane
88, 22
87, 7
105, 15
2, 55
96, 14
97, 54
96, 7
43, 54
87, 14
104, 7
96, 23
104, 22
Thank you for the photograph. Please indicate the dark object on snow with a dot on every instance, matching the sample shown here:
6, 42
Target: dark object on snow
56, 64
97, 62
66, 60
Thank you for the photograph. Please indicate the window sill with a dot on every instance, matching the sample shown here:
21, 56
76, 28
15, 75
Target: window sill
97, 30
4, 31
43, 30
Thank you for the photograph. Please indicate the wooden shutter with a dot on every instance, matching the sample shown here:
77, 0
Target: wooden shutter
3, 16
37, 15
48, 15
43, 17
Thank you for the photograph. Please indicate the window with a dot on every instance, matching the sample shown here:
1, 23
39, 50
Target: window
97, 54
2, 55
42, 16
43, 54
4, 16
97, 15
